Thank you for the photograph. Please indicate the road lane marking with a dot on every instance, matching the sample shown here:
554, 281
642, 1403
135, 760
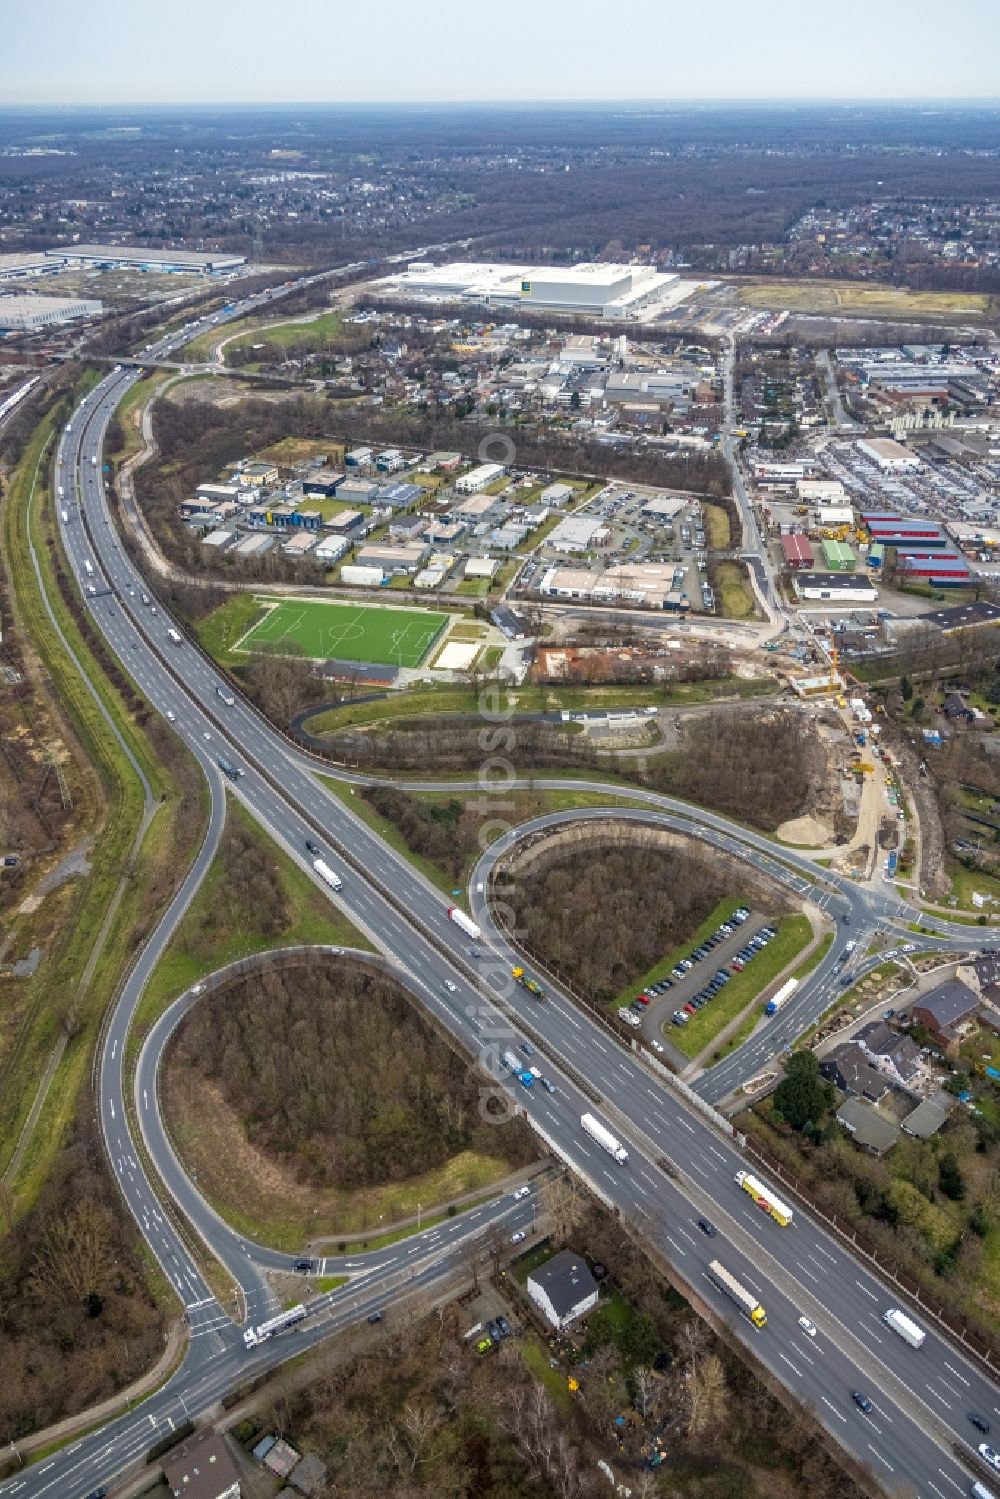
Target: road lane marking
881, 1459
808, 1272
675, 1244
956, 1373
836, 1412
790, 1364
937, 1396
948, 1479
866, 1290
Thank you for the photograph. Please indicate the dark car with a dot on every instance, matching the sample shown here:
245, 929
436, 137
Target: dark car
979, 1422
504, 1327
846, 919
374, 1317
100, 1493
707, 1228
861, 1401
313, 848
494, 1331
303, 1266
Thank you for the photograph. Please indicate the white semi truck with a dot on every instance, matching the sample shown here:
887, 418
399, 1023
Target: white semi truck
605, 1139
466, 923
903, 1327
326, 873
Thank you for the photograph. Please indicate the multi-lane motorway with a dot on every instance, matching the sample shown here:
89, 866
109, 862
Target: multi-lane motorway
921, 1396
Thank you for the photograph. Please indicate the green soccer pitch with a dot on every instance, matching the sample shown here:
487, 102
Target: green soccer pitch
347, 632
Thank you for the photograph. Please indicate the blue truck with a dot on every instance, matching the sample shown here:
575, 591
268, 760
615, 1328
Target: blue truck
513, 1064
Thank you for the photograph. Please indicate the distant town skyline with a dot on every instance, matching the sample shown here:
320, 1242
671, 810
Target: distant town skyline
390, 51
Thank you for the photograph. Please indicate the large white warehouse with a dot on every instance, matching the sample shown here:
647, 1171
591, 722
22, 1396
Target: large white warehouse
609, 291
27, 313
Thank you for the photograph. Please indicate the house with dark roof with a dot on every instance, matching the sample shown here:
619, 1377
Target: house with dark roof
897, 1056
866, 1127
927, 1118
201, 1468
945, 1010
849, 1069
955, 706
563, 1288
987, 973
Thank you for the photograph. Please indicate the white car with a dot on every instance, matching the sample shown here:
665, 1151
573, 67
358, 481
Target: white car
518, 1237
520, 1192
988, 1455
656, 1045
171, 716
807, 1326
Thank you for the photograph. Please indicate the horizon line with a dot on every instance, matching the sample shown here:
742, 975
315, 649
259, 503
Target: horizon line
759, 100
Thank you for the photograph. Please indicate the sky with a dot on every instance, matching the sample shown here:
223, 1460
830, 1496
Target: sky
381, 51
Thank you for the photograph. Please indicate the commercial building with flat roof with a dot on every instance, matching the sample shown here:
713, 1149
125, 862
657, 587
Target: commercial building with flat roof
27, 313
613, 291
945, 569
479, 478
14, 267
577, 534
139, 258
836, 588
964, 616
888, 455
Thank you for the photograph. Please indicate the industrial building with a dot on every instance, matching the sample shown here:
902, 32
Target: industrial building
606, 291
836, 588
835, 515
943, 569
138, 258
28, 313
798, 552
578, 534
837, 557
479, 478
821, 491
889, 456
904, 532
14, 267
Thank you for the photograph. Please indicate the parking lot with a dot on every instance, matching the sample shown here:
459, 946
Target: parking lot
722, 949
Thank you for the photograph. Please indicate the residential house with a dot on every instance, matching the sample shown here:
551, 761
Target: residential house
926, 1119
563, 1288
201, 1468
945, 1010
897, 1056
867, 1128
849, 1069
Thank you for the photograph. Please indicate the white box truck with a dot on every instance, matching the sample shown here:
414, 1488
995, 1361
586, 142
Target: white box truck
904, 1327
605, 1139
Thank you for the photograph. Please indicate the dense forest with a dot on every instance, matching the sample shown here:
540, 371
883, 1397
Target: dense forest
604, 912
77, 1319
334, 1071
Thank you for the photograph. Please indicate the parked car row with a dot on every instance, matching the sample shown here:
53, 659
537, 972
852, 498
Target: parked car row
720, 978
697, 955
